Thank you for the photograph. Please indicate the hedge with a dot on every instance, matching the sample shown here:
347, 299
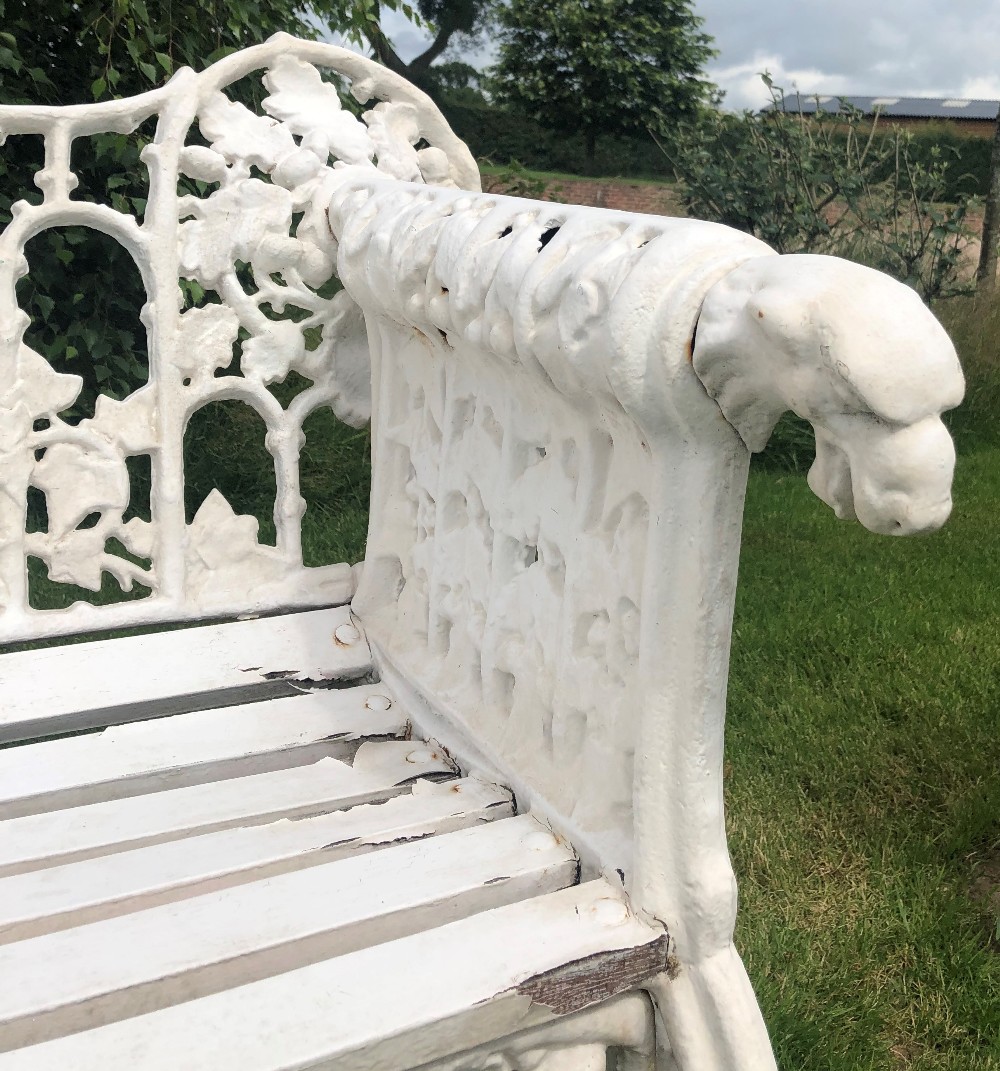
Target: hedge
501, 137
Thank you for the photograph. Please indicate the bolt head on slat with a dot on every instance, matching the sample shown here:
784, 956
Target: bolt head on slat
610, 911
421, 755
345, 635
540, 841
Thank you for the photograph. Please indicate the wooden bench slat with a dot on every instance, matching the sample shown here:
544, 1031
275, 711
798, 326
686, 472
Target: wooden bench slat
107, 682
105, 971
54, 899
393, 1005
380, 769
191, 749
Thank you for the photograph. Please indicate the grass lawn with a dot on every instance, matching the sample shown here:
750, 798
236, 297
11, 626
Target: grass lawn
863, 794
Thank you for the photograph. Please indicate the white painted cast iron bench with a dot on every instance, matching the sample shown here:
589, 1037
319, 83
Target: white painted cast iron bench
459, 806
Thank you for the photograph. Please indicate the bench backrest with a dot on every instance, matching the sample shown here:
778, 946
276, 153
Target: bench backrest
250, 211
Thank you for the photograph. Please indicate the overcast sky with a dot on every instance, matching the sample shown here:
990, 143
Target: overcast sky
931, 48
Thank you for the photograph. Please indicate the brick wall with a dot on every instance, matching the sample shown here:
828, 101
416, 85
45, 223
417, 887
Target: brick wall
603, 193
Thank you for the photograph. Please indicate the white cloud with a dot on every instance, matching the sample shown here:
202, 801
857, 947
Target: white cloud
982, 87
899, 48
902, 48
745, 89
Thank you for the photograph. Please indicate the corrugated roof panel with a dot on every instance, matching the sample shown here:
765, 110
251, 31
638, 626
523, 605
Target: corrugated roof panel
890, 107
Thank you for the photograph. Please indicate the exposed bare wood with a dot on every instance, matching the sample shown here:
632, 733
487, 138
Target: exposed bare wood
60, 897
108, 682
359, 1012
380, 770
193, 749
110, 970
986, 272
574, 986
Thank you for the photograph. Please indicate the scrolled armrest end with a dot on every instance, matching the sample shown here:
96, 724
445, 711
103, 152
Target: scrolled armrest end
860, 357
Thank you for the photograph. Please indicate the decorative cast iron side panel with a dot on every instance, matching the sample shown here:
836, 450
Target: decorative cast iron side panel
256, 241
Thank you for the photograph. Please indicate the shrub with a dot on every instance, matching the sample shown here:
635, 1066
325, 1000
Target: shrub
828, 184
502, 137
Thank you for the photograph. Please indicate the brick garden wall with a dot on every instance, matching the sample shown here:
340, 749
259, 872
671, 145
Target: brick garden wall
602, 193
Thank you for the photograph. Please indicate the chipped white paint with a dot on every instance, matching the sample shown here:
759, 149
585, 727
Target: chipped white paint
557, 500
380, 770
323, 1016
215, 565
104, 971
623, 1023
77, 893
563, 402
192, 749
857, 354
79, 686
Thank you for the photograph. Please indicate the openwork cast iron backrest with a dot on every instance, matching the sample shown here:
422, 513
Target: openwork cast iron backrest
254, 237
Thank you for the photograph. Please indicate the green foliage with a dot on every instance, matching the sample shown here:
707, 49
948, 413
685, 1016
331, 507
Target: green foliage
862, 798
501, 137
72, 51
605, 66
827, 184
967, 156
515, 180
65, 52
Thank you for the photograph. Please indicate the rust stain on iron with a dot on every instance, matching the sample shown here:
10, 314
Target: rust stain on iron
588, 981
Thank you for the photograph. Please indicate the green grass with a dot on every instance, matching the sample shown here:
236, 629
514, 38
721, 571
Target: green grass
863, 756
863, 751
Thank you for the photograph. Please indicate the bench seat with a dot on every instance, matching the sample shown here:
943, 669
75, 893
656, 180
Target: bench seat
236, 885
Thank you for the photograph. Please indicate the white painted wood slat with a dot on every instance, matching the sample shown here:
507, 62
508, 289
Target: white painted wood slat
394, 1005
54, 899
83, 685
125, 966
190, 749
380, 769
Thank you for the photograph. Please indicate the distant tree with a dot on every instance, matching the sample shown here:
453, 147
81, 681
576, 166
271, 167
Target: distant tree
602, 66
449, 20
457, 82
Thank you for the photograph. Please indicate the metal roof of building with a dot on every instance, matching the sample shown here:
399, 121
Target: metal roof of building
901, 107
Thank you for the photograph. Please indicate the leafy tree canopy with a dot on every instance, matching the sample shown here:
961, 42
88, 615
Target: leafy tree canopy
69, 51
602, 66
